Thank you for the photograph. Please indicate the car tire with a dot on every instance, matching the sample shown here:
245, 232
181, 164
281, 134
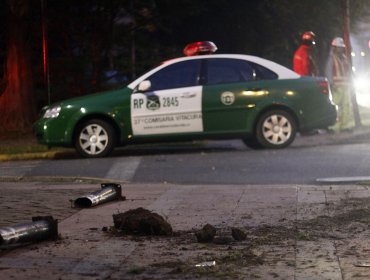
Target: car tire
276, 129
95, 138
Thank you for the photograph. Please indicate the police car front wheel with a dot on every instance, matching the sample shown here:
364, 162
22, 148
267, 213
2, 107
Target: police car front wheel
276, 129
95, 138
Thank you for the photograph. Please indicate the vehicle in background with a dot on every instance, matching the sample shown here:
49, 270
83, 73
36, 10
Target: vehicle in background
199, 96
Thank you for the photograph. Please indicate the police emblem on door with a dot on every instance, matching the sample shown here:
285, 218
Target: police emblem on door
227, 98
153, 102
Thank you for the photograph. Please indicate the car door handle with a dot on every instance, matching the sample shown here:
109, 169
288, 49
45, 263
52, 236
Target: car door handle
188, 94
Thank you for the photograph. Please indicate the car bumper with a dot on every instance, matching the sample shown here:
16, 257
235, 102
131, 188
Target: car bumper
321, 119
330, 118
48, 132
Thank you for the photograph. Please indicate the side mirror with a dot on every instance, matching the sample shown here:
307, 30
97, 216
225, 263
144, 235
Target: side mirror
144, 86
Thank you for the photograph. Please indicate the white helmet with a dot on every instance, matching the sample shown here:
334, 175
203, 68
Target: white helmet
338, 42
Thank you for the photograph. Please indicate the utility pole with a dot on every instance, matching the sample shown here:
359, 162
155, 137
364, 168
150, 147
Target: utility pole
347, 42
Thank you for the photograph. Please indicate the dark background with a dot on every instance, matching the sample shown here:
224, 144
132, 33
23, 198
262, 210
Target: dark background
94, 45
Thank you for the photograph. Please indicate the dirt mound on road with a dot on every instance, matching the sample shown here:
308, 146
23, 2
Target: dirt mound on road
142, 222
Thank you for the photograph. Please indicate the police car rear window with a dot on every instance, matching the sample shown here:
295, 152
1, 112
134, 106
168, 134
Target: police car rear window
226, 70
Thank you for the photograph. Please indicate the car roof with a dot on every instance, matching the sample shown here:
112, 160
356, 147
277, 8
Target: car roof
282, 71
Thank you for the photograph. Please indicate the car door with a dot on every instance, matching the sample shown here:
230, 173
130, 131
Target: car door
231, 91
172, 105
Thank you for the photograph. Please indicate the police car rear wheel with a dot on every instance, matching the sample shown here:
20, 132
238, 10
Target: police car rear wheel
276, 129
95, 138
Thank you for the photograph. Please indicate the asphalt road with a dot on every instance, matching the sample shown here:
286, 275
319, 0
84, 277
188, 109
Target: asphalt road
217, 162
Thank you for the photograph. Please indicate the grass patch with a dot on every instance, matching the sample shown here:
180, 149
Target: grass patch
14, 146
21, 149
303, 236
30, 153
136, 270
20, 143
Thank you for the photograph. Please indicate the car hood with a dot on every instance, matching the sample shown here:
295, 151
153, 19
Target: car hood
96, 98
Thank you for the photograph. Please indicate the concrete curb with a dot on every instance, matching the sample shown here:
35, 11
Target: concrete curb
344, 180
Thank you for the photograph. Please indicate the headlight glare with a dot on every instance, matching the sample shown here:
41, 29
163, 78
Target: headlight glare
52, 112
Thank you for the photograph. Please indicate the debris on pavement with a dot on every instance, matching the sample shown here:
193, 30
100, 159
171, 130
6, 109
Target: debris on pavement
238, 234
206, 264
41, 228
108, 192
206, 234
362, 265
142, 222
222, 240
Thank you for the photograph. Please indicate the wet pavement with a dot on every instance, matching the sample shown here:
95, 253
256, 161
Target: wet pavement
293, 232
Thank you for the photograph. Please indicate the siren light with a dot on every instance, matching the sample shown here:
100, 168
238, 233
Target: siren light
198, 48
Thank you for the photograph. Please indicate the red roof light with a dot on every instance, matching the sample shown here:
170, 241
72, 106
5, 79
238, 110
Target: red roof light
197, 48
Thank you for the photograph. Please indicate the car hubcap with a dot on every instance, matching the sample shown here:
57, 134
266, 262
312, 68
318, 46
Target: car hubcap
93, 139
276, 129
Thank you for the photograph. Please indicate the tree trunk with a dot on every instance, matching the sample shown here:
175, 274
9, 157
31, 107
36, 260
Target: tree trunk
347, 42
17, 103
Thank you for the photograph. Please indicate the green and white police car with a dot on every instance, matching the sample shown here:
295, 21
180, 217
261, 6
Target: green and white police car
199, 96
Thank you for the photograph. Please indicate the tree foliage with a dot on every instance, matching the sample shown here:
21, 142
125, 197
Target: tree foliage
16, 99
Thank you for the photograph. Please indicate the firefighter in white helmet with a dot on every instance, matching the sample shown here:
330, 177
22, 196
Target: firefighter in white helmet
338, 72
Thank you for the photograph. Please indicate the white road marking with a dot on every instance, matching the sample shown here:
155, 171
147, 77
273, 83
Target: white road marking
124, 169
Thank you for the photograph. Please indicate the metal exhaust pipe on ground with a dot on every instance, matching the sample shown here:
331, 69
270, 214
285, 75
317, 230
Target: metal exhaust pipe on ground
41, 228
108, 192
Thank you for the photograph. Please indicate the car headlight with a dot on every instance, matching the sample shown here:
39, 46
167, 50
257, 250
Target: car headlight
52, 112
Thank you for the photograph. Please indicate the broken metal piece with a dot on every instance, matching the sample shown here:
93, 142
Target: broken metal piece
41, 228
108, 192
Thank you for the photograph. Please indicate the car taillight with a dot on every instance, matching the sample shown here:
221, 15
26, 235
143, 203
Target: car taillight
324, 86
205, 47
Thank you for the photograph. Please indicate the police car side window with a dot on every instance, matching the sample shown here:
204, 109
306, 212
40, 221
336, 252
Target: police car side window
262, 73
231, 70
180, 74
224, 70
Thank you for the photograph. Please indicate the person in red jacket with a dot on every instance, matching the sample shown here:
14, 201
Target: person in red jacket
303, 61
